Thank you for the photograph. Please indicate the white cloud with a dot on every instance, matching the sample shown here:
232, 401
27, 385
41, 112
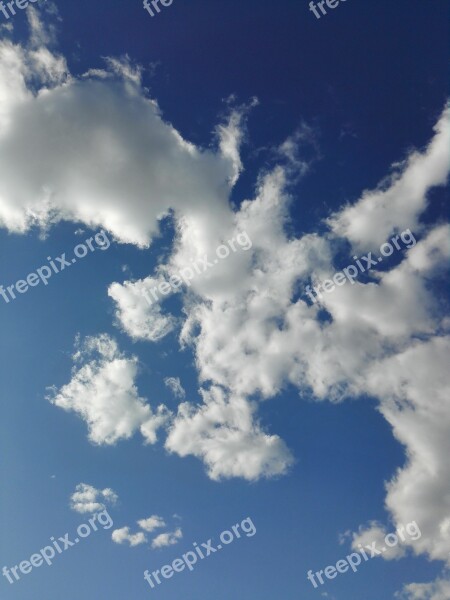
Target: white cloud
436, 590
151, 523
143, 167
385, 338
174, 385
144, 170
398, 303
135, 315
119, 536
103, 392
148, 525
377, 533
231, 135
9, 27
87, 499
414, 387
399, 200
167, 539
223, 433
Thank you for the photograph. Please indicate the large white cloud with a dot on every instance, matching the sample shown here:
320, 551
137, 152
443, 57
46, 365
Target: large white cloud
124, 167
415, 388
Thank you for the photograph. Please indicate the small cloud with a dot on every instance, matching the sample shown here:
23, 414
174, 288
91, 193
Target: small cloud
174, 385
376, 533
119, 536
100, 73
347, 130
152, 523
167, 539
343, 537
122, 535
7, 27
152, 67
87, 499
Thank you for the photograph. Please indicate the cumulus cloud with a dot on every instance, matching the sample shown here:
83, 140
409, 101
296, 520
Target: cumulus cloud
87, 499
103, 393
134, 314
143, 166
414, 387
174, 385
120, 536
167, 539
224, 434
144, 170
151, 523
148, 525
377, 533
399, 200
436, 590
255, 337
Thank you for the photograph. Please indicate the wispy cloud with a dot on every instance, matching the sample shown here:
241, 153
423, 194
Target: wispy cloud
174, 385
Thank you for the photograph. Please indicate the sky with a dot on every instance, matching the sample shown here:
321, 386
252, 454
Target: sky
224, 230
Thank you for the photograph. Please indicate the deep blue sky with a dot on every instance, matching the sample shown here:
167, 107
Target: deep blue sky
371, 77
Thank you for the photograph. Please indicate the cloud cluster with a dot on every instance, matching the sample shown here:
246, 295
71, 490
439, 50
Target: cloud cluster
148, 525
250, 329
87, 499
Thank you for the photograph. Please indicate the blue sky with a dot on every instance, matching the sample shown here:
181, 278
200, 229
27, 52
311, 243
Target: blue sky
324, 423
